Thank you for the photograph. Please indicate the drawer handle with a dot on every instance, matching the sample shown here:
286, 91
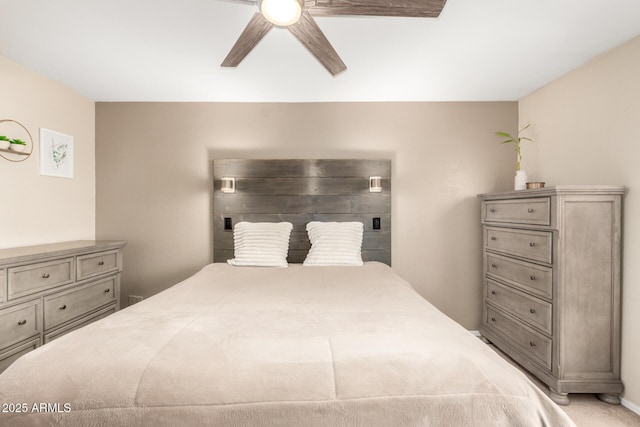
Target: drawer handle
494, 293
530, 210
532, 277
101, 263
46, 276
493, 238
532, 244
63, 307
532, 344
493, 319
492, 210
494, 265
106, 291
22, 322
532, 310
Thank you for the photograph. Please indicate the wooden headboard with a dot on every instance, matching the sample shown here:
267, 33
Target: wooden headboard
299, 191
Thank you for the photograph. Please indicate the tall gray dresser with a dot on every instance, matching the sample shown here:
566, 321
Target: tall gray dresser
551, 285
49, 290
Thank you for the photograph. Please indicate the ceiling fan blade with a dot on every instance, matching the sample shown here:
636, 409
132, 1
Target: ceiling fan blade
407, 8
309, 33
252, 34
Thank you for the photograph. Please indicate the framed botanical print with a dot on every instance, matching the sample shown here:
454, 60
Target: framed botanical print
56, 154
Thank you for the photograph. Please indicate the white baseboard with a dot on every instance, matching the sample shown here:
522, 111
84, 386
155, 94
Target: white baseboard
630, 406
475, 333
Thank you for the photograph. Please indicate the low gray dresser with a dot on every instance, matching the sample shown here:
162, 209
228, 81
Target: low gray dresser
49, 290
551, 293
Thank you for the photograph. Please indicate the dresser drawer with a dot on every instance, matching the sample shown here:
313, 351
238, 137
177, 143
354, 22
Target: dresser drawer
10, 355
533, 278
84, 321
19, 322
65, 306
98, 263
533, 311
535, 211
533, 245
533, 344
30, 279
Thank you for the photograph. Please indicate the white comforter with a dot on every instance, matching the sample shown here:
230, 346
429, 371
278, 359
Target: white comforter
297, 346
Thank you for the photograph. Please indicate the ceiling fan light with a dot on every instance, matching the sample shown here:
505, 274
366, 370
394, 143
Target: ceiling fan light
281, 12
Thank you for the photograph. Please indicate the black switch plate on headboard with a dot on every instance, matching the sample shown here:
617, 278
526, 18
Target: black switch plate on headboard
228, 225
376, 223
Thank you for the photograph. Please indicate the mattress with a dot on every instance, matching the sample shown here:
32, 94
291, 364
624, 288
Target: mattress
297, 346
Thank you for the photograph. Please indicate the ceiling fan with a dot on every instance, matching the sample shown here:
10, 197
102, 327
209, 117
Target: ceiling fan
297, 17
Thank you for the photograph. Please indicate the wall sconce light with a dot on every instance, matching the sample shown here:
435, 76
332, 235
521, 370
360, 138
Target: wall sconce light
228, 184
375, 184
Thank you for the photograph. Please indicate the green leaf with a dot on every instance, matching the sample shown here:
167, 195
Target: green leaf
504, 135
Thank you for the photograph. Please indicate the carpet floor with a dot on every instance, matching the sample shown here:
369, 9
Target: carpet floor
586, 410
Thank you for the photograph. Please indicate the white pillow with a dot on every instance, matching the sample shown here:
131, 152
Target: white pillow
261, 244
335, 243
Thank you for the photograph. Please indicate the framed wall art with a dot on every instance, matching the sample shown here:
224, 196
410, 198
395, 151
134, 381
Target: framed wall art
56, 154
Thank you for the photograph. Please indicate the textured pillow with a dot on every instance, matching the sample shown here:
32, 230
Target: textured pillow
261, 244
335, 243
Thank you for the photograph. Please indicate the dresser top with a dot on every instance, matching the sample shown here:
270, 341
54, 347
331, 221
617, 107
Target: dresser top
27, 253
557, 190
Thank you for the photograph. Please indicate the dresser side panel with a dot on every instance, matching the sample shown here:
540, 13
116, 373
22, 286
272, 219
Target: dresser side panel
589, 287
3, 284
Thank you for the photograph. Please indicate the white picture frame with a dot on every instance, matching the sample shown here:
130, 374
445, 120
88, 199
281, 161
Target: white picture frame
56, 154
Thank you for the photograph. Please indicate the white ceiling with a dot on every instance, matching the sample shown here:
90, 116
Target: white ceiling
170, 50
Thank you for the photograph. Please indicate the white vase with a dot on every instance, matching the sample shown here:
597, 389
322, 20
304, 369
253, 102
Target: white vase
520, 181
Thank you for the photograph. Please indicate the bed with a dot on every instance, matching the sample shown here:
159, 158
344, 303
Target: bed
313, 346
294, 342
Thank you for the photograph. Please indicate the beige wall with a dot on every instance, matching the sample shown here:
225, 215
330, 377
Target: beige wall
40, 209
153, 180
586, 127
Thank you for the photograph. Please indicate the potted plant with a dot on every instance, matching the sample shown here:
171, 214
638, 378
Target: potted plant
4, 142
18, 145
520, 182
